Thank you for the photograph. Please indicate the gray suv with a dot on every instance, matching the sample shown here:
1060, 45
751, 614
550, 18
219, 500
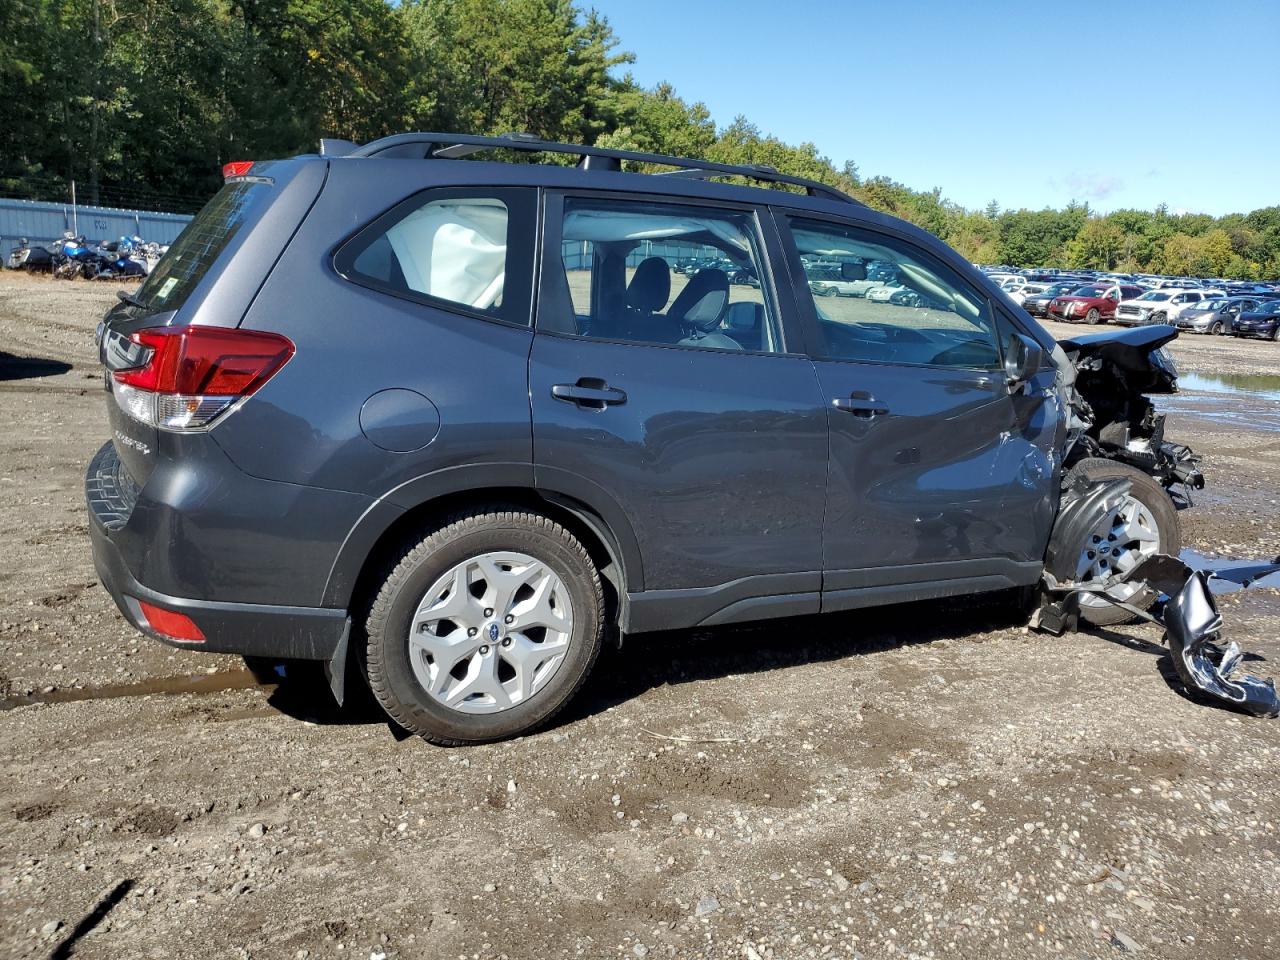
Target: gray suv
453, 422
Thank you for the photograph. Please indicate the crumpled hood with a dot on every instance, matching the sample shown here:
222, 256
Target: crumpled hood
1128, 348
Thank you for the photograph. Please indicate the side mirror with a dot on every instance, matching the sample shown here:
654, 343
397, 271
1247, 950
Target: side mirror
1022, 358
853, 271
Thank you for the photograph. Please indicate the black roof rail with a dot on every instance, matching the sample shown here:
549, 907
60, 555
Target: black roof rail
451, 146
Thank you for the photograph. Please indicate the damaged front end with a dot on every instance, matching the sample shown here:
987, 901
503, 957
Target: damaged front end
1188, 613
1114, 374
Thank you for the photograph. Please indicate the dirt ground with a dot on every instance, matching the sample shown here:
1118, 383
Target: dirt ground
924, 781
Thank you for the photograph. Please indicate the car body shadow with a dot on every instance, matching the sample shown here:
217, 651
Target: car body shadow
691, 656
29, 368
301, 688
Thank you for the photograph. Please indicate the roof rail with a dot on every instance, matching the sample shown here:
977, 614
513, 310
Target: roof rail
451, 146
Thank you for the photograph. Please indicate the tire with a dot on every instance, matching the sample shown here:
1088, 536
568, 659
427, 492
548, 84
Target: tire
1275, 333
1092, 318
1159, 318
828, 292
1156, 505
1215, 328
474, 542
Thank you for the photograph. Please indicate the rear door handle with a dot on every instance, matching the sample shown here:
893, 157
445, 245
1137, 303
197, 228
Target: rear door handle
588, 392
860, 405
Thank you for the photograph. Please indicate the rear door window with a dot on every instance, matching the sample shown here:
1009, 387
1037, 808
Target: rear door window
469, 251
645, 271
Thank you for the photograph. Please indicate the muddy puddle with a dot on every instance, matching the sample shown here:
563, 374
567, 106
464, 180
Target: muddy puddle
194, 683
1240, 399
1230, 575
1262, 386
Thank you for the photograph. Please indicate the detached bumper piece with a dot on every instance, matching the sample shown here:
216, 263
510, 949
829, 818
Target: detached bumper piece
1192, 630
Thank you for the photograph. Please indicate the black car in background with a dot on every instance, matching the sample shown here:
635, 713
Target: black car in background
1038, 304
1262, 323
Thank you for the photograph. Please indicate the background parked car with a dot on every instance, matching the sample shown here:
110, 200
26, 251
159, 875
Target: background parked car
1163, 305
1264, 322
1037, 304
1020, 294
839, 279
1216, 314
1092, 303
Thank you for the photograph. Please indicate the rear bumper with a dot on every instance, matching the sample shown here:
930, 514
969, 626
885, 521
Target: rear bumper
249, 629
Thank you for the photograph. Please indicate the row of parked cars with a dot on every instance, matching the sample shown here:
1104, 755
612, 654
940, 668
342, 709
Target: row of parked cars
1229, 307
874, 280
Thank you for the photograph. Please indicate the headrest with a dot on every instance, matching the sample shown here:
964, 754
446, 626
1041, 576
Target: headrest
650, 285
702, 302
744, 315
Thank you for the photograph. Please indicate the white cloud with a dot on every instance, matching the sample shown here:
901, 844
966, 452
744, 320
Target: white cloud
1088, 186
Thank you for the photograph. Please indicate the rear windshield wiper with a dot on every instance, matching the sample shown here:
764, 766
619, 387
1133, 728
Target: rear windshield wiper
130, 299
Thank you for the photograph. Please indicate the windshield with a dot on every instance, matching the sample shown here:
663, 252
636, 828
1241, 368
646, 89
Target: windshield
199, 244
1216, 304
1058, 289
1154, 295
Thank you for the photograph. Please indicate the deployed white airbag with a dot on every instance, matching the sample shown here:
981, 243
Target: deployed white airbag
455, 250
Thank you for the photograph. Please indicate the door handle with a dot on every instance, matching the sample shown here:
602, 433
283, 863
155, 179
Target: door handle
861, 405
589, 392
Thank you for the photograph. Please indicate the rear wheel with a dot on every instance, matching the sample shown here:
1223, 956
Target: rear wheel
485, 628
1144, 523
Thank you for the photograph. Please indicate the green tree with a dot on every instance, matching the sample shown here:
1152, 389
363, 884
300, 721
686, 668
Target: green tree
1098, 245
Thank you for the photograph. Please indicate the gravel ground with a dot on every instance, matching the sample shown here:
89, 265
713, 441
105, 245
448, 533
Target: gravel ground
921, 781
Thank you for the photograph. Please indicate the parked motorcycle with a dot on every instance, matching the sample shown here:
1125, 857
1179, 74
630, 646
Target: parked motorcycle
29, 256
74, 257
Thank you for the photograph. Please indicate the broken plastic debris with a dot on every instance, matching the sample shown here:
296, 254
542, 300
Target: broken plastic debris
1192, 626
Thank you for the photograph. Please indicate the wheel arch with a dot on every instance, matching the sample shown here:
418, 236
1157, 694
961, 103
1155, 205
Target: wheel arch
598, 522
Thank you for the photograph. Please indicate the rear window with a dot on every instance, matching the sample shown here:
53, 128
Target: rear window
198, 246
467, 251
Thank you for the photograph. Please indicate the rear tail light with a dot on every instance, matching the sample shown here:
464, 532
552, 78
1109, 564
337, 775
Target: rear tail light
170, 623
186, 377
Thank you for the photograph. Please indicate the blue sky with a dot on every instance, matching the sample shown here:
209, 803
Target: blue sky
1121, 104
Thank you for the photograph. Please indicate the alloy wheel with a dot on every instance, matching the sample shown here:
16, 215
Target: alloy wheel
1124, 538
490, 632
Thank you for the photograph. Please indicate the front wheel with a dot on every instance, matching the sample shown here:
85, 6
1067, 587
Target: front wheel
485, 628
1092, 317
1160, 318
1275, 333
1145, 522
1216, 328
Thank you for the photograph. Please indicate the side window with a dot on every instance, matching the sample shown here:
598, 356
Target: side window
457, 251
900, 304
651, 272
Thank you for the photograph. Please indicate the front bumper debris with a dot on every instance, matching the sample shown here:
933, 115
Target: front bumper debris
1192, 628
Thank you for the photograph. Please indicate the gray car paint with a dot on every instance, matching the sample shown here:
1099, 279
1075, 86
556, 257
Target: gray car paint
709, 487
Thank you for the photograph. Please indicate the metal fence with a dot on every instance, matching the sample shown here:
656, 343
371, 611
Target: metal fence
42, 222
577, 253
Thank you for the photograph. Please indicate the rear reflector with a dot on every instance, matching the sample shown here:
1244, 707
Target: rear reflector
236, 168
188, 376
175, 626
